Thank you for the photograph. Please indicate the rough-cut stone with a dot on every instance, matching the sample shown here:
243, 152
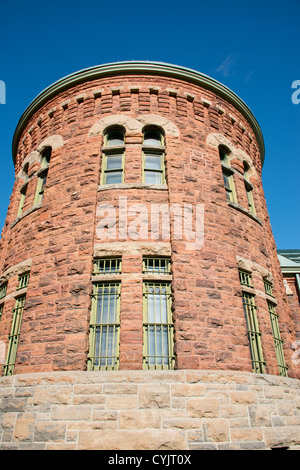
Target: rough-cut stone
189, 412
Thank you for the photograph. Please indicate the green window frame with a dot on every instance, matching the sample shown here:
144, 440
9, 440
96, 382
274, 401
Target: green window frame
104, 335
23, 280
113, 156
268, 288
1, 309
13, 338
227, 174
254, 335
3, 290
278, 342
153, 265
249, 189
245, 278
153, 156
107, 266
42, 176
158, 328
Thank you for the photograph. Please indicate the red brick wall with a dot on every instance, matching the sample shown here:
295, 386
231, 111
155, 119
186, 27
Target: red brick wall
60, 236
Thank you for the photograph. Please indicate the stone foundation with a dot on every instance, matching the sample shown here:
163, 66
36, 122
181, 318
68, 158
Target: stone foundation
149, 410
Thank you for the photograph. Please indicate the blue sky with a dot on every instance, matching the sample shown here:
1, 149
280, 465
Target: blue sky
251, 47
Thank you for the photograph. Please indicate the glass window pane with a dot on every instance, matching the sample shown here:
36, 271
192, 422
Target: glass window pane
115, 138
114, 162
114, 177
153, 162
153, 177
152, 137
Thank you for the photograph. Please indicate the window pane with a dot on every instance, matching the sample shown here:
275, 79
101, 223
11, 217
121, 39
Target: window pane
115, 138
153, 162
114, 177
152, 137
114, 162
153, 177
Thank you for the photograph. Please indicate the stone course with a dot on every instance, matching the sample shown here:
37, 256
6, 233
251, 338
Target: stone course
149, 410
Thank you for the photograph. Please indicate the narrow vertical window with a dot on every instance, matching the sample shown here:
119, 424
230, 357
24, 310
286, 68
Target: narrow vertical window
13, 338
104, 327
153, 156
254, 335
227, 175
23, 191
249, 189
42, 175
113, 157
158, 350
278, 342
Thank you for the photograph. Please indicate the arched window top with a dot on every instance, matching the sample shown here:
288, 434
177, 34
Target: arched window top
114, 136
46, 155
153, 136
224, 153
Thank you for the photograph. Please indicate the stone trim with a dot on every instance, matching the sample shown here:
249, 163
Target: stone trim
106, 187
251, 266
132, 248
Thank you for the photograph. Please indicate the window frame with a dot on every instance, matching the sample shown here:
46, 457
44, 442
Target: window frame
96, 344
227, 173
154, 151
9, 366
158, 361
278, 342
42, 175
110, 151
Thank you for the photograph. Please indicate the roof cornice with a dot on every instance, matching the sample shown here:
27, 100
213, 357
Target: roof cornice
135, 68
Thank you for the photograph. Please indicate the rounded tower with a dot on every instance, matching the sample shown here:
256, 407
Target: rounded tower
137, 248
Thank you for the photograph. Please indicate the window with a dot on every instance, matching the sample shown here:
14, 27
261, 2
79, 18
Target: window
153, 156
245, 278
254, 334
23, 192
275, 330
23, 280
42, 175
157, 326
107, 266
227, 174
3, 290
113, 157
157, 265
277, 339
104, 327
14, 336
249, 188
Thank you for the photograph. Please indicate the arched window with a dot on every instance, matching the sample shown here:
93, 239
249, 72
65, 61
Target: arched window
113, 152
227, 174
23, 191
249, 188
153, 156
42, 175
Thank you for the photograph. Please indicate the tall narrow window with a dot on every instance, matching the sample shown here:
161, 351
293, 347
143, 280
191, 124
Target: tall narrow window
158, 350
227, 174
42, 175
113, 157
249, 188
104, 327
23, 191
254, 334
278, 342
153, 156
14, 336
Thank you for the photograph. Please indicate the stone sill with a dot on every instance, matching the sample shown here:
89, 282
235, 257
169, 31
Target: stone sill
29, 211
107, 187
236, 206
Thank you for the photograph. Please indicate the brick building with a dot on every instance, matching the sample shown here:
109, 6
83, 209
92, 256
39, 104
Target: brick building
140, 284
